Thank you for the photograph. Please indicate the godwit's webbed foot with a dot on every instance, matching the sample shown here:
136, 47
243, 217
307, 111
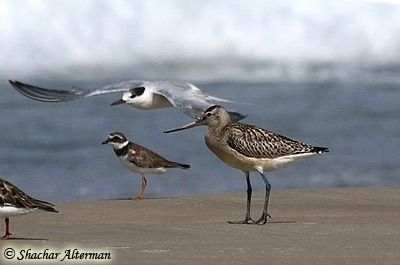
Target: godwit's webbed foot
263, 219
247, 220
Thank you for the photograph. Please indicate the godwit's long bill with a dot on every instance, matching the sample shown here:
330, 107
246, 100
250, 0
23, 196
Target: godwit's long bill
250, 148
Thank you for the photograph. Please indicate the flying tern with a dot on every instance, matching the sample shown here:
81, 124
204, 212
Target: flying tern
144, 95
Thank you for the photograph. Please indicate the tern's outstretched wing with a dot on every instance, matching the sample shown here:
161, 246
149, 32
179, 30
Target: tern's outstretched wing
54, 95
184, 96
189, 99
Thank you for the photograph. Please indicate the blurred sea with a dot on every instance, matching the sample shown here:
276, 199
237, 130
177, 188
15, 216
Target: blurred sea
323, 72
54, 151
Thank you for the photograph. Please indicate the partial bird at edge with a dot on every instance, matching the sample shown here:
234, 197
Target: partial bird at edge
14, 201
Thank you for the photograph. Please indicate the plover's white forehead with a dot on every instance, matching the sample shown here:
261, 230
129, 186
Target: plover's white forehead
116, 137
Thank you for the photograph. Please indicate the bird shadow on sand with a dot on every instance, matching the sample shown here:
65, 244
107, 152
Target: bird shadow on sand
282, 222
137, 200
273, 222
26, 239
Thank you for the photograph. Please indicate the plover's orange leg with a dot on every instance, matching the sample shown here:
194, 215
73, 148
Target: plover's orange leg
141, 194
7, 234
144, 183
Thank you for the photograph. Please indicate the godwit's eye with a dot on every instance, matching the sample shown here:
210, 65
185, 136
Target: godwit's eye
208, 114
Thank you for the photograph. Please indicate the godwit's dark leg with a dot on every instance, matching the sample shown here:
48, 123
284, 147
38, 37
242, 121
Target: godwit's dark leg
7, 234
247, 219
264, 217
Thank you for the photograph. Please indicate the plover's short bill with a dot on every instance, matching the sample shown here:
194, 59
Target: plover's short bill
15, 202
140, 159
144, 95
250, 148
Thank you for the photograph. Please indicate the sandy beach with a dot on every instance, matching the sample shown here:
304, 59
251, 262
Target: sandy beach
332, 226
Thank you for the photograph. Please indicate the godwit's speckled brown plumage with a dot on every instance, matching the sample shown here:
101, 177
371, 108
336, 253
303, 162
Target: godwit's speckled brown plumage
250, 148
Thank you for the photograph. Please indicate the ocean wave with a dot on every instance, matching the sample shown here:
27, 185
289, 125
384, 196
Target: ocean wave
264, 40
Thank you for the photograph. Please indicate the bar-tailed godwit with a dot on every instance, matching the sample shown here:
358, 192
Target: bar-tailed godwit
250, 148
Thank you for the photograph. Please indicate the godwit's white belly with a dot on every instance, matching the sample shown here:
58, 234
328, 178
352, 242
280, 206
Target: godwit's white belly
236, 160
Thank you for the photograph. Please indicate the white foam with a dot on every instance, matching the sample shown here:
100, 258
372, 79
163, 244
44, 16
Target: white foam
276, 37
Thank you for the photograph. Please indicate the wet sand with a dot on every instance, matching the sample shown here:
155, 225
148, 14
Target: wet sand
332, 226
